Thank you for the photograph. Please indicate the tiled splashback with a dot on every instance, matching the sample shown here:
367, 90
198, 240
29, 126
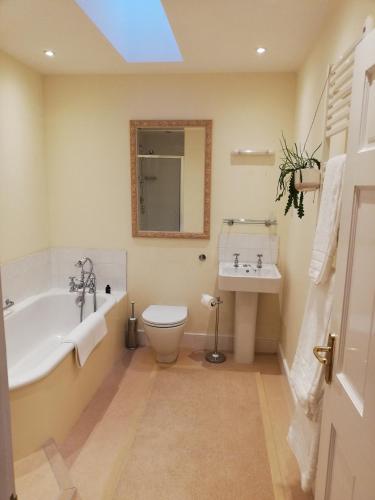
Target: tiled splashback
109, 266
26, 276
248, 246
37, 272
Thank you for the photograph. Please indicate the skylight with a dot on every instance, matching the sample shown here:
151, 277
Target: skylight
138, 29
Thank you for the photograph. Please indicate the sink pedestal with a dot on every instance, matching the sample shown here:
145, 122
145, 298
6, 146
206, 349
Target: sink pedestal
245, 318
247, 281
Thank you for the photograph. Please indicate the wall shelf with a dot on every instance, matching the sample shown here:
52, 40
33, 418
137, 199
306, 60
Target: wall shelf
262, 222
252, 152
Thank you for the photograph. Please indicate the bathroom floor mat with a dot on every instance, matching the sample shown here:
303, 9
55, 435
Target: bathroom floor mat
200, 437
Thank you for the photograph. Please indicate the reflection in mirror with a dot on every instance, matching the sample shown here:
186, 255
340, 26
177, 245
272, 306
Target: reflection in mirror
170, 178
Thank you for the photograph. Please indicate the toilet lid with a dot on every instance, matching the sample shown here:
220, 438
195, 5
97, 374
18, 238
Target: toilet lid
165, 315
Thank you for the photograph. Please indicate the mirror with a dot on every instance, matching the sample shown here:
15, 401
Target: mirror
171, 178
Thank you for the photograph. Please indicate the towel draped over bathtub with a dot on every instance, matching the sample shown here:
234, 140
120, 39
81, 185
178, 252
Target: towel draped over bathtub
86, 336
306, 374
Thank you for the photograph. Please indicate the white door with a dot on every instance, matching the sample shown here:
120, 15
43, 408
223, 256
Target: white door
6, 458
346, 467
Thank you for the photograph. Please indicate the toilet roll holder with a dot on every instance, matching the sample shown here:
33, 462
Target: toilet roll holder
215, 356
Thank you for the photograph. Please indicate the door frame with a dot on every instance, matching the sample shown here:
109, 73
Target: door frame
7, 484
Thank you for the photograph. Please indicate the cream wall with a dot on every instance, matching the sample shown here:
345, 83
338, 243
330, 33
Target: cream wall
342, 28
87, 148
23, 186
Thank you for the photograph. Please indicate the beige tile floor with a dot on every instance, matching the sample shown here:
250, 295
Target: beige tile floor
108, 431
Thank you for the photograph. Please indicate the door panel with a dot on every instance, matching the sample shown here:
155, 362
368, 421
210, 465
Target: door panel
347, 442
368, 107
357, 324
341, 483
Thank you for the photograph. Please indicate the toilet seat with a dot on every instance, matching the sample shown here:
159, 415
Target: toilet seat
164, 316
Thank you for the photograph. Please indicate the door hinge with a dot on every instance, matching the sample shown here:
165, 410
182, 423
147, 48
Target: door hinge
327, 359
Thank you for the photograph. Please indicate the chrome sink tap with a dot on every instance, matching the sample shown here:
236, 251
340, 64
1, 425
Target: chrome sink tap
235, 263
259, 261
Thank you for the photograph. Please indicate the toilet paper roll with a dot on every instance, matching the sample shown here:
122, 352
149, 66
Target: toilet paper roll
208, 301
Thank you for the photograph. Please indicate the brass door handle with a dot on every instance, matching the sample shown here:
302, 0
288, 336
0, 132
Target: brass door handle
326, 360
318, 349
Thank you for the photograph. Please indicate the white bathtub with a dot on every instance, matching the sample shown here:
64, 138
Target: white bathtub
35, 328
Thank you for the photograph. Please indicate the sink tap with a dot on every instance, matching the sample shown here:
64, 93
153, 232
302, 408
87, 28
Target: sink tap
259, 261
235, 263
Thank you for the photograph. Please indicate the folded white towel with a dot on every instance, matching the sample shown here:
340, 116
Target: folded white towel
325, 240
86, 336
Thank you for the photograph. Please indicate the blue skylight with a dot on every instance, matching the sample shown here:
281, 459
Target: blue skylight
138, 29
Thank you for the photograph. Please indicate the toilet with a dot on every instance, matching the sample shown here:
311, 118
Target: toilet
164, 328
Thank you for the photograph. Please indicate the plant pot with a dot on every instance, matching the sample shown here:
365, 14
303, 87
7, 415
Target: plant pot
310, 179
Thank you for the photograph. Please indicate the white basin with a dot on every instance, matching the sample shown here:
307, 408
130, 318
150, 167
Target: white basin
248, 278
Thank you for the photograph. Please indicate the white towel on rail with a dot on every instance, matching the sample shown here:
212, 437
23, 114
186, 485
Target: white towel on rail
306, 372
86, 336
325, 240
303, 438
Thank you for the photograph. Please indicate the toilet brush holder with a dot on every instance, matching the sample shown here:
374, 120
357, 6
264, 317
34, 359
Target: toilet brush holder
131, 334
215, 356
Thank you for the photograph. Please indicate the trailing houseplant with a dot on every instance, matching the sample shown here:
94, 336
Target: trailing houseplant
294, 160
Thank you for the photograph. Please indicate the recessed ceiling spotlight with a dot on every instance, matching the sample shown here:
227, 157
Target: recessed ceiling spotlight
261, 50
49, 53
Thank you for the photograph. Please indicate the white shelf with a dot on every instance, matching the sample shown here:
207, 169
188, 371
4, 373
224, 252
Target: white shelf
252, 152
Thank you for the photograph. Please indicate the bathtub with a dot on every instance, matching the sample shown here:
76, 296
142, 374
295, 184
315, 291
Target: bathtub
35, 330
48, 389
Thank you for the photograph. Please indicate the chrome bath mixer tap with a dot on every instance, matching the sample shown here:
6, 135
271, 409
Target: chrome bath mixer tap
87, 281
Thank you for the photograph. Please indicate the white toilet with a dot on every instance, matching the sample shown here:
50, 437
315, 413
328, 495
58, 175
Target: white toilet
164, 328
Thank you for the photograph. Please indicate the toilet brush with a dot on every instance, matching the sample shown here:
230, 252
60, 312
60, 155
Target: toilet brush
215, 356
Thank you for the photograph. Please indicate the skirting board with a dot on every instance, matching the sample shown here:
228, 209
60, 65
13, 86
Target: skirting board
202, 341
285, 369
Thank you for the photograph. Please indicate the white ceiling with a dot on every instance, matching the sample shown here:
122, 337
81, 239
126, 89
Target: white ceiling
213, 35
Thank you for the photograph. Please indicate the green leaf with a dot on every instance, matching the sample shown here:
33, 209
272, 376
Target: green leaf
300, 210
293, 160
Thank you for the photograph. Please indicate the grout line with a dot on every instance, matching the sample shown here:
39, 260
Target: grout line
57, 465
277, 482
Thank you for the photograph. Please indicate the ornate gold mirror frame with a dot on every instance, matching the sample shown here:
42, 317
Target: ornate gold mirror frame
168, 124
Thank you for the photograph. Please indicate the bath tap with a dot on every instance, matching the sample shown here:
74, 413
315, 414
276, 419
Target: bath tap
87, 281
73, 285
8, 303
259, 261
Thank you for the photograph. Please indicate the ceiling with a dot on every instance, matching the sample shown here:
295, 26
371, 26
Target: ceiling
213, 36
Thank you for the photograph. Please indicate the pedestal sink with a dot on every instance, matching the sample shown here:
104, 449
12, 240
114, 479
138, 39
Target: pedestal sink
247, 281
